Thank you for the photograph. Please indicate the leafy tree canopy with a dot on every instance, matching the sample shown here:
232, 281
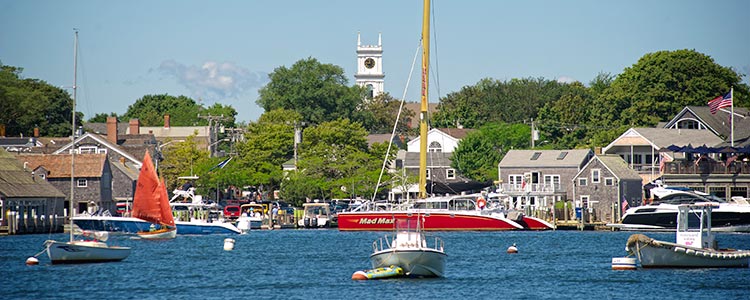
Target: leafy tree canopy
26, 104
317, 91
478, 154
182, 111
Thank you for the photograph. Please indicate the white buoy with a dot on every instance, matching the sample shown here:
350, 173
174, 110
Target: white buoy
512, 249
623, 263
32, 261
228, 244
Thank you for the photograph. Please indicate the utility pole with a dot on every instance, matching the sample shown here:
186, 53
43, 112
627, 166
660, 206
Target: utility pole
532, 133
213, 134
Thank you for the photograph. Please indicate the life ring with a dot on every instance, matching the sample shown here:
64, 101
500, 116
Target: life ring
481, 202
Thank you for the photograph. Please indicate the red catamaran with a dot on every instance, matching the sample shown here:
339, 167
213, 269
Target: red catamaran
457, 213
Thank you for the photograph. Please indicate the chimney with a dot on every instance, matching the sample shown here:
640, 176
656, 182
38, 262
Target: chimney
166, 121
135, 126
112, 129
36, 132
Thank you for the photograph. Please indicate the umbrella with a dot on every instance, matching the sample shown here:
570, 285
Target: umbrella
704, 149
675, 148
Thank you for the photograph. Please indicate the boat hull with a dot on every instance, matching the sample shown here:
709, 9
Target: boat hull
433, 221
134, 225
84, 252
184, 227
415, 262
158, 234
660, 254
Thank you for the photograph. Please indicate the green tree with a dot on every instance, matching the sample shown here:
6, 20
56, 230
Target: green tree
184, 159
317, 91
478, 154
182, 111
660, 84
379, 115
269, 143
29, 103
102, 117
513, 101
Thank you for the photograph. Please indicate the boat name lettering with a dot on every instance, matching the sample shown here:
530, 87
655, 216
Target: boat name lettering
375, 221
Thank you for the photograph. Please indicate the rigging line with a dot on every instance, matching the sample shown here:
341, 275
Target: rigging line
436, 69
398, 117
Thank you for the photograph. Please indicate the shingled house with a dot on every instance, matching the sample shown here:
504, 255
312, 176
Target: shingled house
92, 177
27, 203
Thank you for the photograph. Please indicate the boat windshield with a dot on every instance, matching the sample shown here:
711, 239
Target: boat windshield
685, 198
431, 205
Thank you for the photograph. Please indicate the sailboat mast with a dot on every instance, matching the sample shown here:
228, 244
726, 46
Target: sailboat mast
73, 133
423, 110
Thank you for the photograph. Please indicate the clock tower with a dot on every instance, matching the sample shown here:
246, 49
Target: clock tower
370, 66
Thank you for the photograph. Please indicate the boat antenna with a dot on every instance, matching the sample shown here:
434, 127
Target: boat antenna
73, 133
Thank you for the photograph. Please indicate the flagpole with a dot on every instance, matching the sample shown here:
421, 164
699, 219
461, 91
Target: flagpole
731, 120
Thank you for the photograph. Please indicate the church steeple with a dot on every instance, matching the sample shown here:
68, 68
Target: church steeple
370, 66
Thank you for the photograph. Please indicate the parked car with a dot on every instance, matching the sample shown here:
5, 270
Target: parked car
232, 211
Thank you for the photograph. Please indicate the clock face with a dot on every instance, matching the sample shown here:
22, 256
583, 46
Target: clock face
369, 63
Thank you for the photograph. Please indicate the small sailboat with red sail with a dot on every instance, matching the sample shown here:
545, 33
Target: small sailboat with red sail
151, 203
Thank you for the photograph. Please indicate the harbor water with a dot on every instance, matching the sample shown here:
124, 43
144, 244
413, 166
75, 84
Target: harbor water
318, 264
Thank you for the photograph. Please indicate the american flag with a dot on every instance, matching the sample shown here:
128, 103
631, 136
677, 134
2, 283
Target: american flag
731, 159
624, 204
719, 102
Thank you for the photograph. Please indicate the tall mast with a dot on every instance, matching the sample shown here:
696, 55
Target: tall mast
423, 110
73, 133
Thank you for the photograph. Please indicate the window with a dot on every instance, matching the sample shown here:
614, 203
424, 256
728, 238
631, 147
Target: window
582, 181
82, 182
609, 181
596, 175
435, 147
87, 149
637, 159
649, 158
515, 179
536, 155
427, 175
102, 150
584, 201
450, 174
562, 155
552, 181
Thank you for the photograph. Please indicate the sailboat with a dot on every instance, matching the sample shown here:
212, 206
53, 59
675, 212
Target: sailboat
151, 203
81, 251
408, 247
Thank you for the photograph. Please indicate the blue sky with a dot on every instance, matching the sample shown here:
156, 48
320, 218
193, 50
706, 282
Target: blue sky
222, 51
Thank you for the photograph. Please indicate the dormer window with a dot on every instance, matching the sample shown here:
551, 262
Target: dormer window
435, 147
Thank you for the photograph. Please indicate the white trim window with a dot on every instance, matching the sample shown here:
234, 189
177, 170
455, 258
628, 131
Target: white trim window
552, 181
80, 182
582, 181
87, 149
435, 147
585, 201
609, 181
450, 174
596, 175
427, 175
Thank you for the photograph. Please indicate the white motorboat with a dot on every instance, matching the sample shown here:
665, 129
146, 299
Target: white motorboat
251, 217
409, 248
316, 215
695, 245
661, 215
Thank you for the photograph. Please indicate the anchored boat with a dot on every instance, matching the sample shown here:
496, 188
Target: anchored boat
695, 245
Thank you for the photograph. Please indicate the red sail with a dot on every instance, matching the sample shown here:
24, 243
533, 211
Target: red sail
150, 193
166, 210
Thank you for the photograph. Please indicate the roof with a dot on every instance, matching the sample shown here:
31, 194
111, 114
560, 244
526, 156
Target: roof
545, 158
718, 122
434, 159
176, 131
457, 133
616, 165
16, 182
103, 141
58, 165
130, 169
663, 137
383, 138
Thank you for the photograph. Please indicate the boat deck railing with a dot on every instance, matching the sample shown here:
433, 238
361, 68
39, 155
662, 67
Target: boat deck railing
388, 242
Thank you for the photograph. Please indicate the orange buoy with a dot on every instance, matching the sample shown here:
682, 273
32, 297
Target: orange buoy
359, 275
512, 249
31, 261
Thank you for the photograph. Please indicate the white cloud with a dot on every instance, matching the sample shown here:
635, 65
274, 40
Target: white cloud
214, 80
566, 79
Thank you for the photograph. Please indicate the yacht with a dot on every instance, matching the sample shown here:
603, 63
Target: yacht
661, 215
